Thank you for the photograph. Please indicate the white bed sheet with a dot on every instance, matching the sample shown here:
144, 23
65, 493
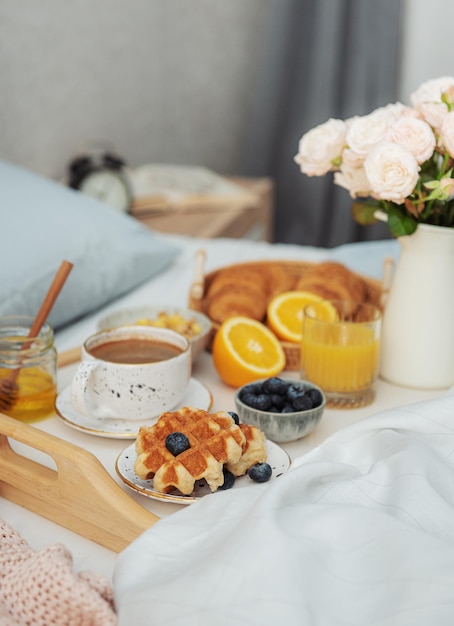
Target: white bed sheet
360, 531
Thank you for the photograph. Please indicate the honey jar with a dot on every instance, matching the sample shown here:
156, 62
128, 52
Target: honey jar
36, 384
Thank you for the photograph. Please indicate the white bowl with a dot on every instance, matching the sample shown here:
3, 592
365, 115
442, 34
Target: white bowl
125, 317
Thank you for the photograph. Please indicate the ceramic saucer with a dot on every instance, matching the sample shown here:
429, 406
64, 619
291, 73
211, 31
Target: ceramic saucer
276, 457
197, 395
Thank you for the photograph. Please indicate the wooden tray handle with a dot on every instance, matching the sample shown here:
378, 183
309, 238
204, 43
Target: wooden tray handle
80, 495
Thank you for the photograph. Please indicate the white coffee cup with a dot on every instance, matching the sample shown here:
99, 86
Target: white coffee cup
132, 373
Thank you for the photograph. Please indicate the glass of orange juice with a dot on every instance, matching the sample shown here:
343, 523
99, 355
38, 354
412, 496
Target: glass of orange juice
340, 350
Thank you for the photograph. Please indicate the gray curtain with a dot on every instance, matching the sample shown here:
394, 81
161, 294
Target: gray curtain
322, 59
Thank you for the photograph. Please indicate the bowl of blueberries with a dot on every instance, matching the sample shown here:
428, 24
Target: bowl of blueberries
285, 410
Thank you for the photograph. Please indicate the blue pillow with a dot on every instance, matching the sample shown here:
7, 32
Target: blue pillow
43, 222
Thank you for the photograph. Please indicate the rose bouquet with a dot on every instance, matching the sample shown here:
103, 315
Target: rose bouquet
397, 162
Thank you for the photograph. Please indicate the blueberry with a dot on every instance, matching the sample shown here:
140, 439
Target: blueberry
260, 472
235, 417
229, 480
287, 408
261, 402
248, 398
315, 396
253, 389
293, 391
277, 401
302, 403
176, 443
275, 386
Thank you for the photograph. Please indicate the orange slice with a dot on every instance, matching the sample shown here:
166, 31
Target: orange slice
285, 313
245, 350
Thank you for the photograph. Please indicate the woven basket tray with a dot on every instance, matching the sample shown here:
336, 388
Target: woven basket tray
198, 301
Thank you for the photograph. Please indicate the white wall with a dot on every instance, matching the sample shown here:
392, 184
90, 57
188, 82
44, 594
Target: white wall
167, 81
427, 43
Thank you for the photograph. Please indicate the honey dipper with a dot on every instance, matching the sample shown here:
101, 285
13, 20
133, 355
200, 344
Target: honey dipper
8, 385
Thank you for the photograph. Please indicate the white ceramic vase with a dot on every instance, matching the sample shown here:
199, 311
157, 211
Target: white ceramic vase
418, 322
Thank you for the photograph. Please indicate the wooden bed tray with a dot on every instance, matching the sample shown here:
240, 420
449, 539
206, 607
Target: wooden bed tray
80, 495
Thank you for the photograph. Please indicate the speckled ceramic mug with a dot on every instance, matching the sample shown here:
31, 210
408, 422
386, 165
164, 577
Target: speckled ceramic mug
131, 372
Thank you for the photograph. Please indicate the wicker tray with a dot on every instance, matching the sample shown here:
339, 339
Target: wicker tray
198, 301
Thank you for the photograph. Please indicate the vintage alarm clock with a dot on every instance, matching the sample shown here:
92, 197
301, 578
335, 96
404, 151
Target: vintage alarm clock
102, 176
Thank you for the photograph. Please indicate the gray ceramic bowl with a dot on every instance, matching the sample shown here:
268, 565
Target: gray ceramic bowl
124, 317
282, 427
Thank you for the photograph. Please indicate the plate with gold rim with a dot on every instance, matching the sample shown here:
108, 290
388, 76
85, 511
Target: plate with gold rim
197, 395
124, 466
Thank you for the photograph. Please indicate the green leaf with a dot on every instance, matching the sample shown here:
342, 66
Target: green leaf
364, 211
400, 224
432, 184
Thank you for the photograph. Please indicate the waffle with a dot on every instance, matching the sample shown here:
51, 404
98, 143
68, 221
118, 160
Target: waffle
253, 451
215, 440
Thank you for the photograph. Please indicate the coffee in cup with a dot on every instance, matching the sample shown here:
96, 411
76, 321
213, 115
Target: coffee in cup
131, 372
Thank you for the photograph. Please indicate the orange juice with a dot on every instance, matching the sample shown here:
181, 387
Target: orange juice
340, 357
341, 354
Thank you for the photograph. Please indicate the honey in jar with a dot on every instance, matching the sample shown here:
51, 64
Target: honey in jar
36, 357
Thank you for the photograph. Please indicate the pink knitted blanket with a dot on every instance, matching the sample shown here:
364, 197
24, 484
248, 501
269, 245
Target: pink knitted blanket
41, 589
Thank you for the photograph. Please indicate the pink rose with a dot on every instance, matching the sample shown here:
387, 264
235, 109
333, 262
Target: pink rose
392, 172
447, 186
427, 100
354, 180
442, 189
398, 110
365, 132
351, 159
447, 133
321, 147
415, 135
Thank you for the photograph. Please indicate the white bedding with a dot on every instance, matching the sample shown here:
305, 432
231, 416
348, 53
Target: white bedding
360, 532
